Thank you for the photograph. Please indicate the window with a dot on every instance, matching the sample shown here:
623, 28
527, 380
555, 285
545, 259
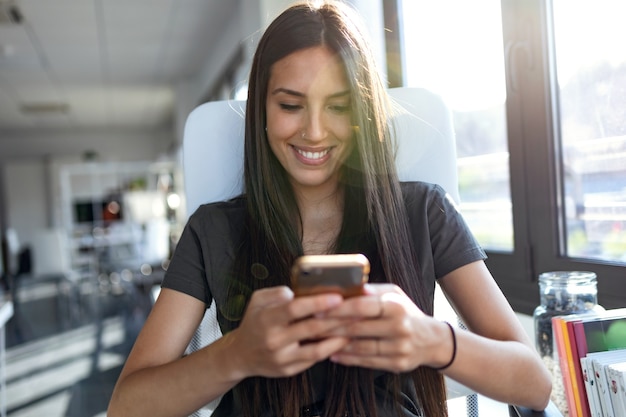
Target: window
454, 48
591, 74
542, 117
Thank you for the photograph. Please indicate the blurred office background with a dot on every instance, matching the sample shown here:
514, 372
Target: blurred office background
93, 99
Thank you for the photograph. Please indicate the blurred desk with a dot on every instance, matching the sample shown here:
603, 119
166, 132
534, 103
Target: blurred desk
479, 406
550, 411
463, 402
6, 312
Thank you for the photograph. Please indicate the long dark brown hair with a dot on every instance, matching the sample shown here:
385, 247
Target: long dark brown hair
377, 223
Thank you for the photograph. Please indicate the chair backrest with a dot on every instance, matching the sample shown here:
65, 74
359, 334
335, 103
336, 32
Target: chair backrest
13, 247
213, 146
51, 254
213, 161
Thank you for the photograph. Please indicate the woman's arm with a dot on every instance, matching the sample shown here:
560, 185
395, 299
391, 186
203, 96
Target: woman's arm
158, 381
155, 380
496, 358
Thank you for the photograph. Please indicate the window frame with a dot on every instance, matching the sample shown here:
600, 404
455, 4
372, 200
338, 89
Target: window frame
534, 149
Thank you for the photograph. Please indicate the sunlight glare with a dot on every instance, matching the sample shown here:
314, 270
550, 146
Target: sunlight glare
589, 34
465, 40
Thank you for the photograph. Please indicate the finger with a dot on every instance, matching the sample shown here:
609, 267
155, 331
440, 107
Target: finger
381, 288
306, 355
322, 349
375, 354
371, 347
297, 320
313, 328
360, 307
367, 329
282, 307
362, 347
271, 296
376, 306
314, 305
371, 362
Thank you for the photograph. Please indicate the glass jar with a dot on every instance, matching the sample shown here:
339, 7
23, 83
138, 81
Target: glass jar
562, 293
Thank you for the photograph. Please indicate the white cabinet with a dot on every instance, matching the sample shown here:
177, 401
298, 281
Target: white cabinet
116, 214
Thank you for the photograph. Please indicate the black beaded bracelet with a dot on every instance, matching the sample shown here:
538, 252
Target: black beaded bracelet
447, 365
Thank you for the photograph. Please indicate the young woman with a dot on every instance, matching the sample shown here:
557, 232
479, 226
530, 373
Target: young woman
320, 179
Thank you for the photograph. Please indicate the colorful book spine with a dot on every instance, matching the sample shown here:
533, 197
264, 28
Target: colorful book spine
573, 361
559, 330
581, 334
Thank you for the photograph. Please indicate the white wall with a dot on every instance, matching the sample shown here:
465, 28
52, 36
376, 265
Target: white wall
111, 144
28, 207
31, 184
25, 190
528, 324
247, 25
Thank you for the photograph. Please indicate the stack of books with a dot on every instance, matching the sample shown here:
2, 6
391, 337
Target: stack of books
592, 357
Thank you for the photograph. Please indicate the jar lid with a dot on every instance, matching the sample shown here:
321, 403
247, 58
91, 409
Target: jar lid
567, 277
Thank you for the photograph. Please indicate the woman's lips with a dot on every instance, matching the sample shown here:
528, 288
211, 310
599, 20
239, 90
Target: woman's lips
315, 157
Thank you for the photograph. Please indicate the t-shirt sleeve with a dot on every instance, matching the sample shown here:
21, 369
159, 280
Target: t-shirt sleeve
187, 270
442, 239
453, 243
206, 250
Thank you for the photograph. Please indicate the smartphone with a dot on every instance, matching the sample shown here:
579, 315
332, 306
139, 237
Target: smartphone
341, 273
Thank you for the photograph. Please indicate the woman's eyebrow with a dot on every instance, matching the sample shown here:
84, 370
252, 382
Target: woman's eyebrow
299, 94
340, 94
287, 91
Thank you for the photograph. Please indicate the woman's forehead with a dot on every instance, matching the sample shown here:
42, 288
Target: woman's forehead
308, 71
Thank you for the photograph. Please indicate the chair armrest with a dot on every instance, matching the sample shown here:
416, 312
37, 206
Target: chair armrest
550, 411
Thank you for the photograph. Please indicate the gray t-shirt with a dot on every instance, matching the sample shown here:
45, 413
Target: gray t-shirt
205, 253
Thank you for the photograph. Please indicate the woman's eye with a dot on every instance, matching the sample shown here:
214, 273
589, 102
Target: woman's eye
290, 107
340, 108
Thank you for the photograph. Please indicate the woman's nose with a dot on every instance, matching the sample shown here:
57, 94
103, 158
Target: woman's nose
315, 129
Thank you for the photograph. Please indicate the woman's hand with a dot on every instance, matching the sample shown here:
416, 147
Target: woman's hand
389, 332
281, 335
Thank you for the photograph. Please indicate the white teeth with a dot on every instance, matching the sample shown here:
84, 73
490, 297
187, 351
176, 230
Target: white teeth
313, 155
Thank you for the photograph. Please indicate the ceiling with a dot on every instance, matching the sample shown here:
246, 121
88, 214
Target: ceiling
100, 63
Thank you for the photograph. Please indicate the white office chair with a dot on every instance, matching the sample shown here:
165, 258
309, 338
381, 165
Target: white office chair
213, 146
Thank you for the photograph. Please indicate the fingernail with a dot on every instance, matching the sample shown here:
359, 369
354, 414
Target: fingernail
334, 299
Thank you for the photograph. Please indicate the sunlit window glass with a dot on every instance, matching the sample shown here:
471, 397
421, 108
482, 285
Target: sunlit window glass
454, 48
591, 72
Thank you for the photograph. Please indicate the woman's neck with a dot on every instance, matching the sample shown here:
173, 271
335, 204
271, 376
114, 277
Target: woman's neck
321, 211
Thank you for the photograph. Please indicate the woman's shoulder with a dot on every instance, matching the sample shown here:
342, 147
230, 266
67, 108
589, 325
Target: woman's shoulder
234, 204
421, 189
229, 212
427, 197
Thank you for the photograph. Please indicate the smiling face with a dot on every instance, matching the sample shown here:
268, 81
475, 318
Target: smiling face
309, 116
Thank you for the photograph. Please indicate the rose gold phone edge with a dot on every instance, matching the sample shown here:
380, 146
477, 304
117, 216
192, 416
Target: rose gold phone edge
307, 262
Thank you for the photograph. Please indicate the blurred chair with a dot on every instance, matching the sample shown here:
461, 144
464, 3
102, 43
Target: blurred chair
12, 248
18, 262
52, 269
51, 256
